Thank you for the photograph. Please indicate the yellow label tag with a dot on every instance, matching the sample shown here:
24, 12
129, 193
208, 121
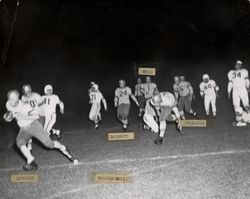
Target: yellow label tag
111, 177
147, 71
26, 178
121, 136
194, 123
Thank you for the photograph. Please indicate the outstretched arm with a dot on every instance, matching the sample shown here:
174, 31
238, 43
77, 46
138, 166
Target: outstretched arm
134, 99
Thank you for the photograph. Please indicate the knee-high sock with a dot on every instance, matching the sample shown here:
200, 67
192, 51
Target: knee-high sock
27, 154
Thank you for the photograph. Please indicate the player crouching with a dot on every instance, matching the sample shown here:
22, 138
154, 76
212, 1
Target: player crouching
95, 100
242, 117
26, 118
161, 105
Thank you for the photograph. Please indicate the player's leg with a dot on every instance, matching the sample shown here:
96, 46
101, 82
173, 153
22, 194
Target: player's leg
181, 105
236, 100
207, 104
245, 99
125, 114
213, 104
21, 140
165, 112
97, 114
150, 121
37, 131
50, 124
188, 105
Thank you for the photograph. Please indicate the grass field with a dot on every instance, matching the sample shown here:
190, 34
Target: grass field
209, 162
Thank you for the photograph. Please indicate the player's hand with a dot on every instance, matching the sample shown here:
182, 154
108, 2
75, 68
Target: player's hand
62, 111
137, 104
229, 96
179, 126
106, 109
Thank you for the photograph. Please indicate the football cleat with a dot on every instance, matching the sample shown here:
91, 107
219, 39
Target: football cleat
96, 126
158, 141
30, 167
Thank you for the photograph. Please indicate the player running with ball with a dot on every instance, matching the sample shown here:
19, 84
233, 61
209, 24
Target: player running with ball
26, 118
122, 102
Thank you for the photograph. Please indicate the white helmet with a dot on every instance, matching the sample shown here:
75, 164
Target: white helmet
95, 87
205, 76
239, 62
47, 88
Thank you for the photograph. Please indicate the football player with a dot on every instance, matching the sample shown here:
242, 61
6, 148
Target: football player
50, 101
242, 117
209, 92
148, 88
184, 94
238, 85
96, 98
26, 118
161, 105
35, 100
139, 96
122, 102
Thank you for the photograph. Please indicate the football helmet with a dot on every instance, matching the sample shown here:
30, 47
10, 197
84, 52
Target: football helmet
48, 89
27, 89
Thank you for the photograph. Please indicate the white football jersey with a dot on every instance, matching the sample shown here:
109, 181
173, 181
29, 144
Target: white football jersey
95, 97
50, 102
138, 89
35, 100
148, 89
209, 88
22, 109
168, 99
183, 88
238, 78
123, 95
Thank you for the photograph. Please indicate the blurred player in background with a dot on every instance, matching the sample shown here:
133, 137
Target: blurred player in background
96, 98
148, 88
26, 118
50, 102
184, 94
161, 105
139, 96
238, 85
35, 100
209, 92
122, 102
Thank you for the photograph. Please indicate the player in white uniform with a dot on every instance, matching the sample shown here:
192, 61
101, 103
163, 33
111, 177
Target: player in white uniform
209, 92
161, 105
50, 102
35, 100
122, 102
26, 118
148, 88
96, 98
238, 84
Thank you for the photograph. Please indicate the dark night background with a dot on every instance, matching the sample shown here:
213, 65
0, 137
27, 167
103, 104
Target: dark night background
69, 43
